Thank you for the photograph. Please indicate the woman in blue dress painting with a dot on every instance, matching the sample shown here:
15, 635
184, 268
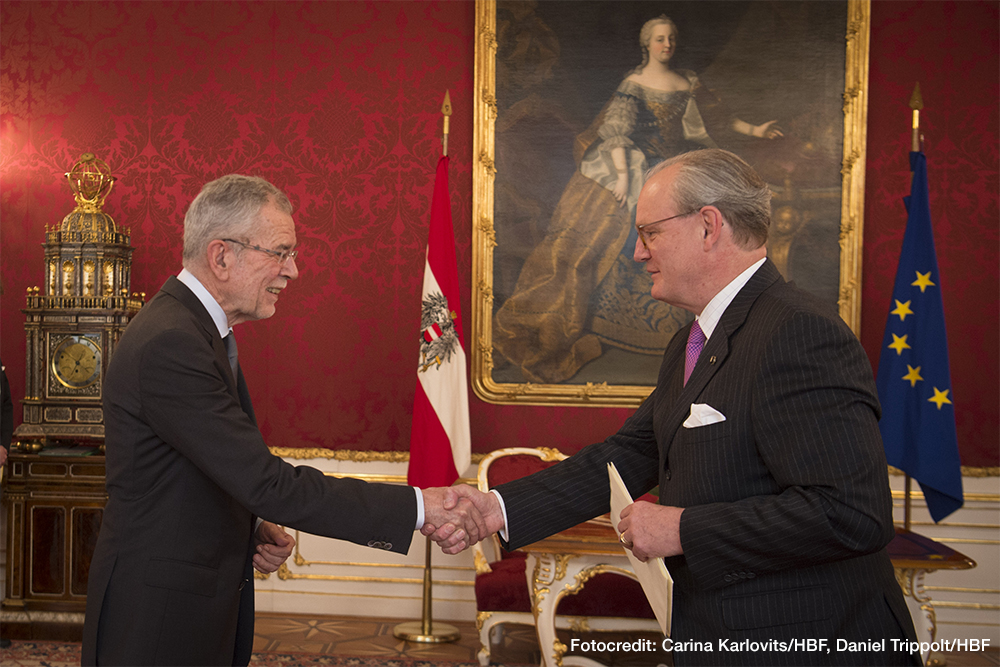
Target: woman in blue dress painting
579, 288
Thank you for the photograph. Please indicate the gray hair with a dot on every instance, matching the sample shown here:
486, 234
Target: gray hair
228, 207
646, 34
714, 177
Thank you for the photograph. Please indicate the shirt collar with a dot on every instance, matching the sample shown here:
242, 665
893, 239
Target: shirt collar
710, 316
207, 300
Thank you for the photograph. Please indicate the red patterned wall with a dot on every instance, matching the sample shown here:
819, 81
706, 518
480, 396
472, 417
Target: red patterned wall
953, 50
338, 103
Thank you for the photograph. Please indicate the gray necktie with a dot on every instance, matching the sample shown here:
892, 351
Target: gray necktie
230, 342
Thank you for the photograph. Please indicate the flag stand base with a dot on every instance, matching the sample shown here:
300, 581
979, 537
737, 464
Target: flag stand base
426, 631
415, 632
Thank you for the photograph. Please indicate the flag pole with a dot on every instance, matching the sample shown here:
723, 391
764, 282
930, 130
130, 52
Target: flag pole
916, 104
426, 631
446, 112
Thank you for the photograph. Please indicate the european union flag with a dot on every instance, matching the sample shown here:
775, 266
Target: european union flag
914, 383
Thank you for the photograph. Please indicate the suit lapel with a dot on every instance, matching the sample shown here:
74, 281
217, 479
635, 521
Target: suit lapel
180, 291
716, 351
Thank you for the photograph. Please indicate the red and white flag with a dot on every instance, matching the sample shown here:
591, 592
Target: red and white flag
440, 444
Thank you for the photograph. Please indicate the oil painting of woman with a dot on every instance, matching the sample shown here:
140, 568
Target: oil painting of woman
579, 291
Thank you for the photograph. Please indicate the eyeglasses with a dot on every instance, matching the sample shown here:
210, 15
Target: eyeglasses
642, 236
281, 256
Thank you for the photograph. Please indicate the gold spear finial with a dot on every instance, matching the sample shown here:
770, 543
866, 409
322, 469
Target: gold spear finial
916, 103
446, 110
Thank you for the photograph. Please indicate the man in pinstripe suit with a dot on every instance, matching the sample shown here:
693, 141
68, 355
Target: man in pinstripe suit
774, 508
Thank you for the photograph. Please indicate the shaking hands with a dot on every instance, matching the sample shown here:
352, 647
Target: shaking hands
456, 517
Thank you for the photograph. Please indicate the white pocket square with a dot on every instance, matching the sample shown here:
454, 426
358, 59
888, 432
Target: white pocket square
703, 414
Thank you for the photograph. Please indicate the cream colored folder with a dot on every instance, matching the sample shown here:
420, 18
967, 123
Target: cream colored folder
656, 582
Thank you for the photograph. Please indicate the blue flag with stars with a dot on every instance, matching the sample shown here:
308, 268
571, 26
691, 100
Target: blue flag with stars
914, 383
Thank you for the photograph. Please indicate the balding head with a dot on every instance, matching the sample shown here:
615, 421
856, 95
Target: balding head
702, 219
722, 179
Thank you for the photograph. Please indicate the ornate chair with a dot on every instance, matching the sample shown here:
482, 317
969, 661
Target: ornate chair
608, 601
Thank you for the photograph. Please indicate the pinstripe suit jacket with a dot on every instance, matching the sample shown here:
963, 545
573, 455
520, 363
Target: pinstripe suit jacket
187, 469
787, 503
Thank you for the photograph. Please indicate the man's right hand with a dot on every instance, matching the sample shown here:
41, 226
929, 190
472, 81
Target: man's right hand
452, 521
486, 505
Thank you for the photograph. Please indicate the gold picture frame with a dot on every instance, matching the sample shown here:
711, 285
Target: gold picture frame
843, 236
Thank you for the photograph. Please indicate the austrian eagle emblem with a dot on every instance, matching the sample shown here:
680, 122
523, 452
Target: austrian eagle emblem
438, 339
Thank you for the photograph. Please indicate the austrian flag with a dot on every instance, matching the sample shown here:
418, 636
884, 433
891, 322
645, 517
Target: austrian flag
440, 444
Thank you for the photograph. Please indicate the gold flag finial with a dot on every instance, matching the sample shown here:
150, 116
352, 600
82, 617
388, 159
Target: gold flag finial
446, 111
916, 103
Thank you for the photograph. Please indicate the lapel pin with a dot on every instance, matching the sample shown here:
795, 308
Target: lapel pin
711, 359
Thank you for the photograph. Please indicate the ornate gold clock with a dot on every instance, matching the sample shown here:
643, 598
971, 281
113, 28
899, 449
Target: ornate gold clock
74, 321
76, 363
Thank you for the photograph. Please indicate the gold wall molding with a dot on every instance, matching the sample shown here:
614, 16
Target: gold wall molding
285, 574
958, 589
969, 496
956, 524
300, 453
970, 623
299, 560
966, 605
967, 471
365, 596
355, 455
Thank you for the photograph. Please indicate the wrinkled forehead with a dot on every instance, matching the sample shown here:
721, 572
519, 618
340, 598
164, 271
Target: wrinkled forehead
277, 228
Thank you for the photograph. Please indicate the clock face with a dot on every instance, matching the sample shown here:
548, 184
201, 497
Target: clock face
76, 363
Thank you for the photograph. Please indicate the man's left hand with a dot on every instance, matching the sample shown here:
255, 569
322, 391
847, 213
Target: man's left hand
653, 530
274, 546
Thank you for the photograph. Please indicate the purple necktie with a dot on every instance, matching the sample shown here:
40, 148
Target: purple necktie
696, 341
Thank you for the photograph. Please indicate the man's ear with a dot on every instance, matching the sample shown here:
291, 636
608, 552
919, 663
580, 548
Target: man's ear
712, 223
219, 259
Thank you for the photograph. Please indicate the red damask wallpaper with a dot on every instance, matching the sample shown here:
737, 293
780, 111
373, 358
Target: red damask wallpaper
953, 50
338, 103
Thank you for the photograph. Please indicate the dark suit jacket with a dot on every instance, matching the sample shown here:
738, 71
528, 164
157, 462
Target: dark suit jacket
187, 472
787, 503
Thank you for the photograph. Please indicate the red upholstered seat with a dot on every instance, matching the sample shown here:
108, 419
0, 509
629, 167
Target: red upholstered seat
505, 588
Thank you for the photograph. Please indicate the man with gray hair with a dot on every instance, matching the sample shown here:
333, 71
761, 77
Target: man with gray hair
194, 495
762, 433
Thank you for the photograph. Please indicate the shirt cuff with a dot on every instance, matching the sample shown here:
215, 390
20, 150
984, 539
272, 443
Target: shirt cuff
503, 510
420, 509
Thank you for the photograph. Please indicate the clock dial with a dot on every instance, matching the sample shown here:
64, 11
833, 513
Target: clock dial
77, 362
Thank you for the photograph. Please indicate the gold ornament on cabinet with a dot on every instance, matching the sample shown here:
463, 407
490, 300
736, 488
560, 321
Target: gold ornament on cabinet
73, 325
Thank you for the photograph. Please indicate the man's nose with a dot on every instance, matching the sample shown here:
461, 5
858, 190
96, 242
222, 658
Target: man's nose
641, 252
290, 269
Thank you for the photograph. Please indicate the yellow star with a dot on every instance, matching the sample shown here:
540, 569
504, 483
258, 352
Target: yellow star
899, 344
913, 376
923, 281
902, 309
940, 397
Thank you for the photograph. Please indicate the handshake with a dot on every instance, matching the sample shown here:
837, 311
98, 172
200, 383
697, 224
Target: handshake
457, 517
